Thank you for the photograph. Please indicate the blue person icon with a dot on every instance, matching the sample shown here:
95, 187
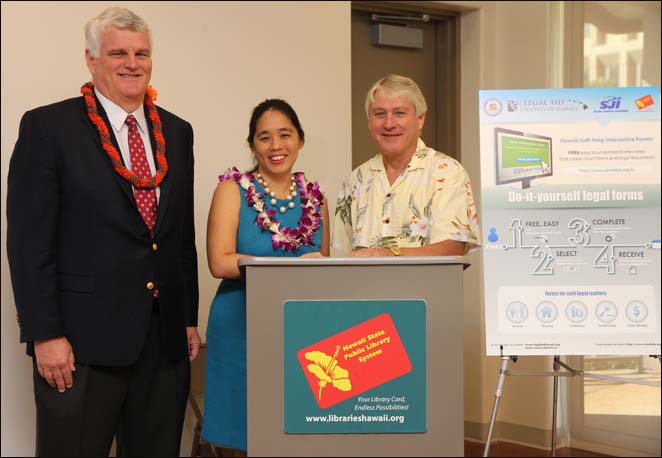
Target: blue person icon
493, 237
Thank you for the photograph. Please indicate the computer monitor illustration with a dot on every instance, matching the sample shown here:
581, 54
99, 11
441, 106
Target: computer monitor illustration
521, 156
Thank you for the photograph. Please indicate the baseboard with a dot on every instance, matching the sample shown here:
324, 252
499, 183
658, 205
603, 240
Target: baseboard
513, 433
538, 438
607, 449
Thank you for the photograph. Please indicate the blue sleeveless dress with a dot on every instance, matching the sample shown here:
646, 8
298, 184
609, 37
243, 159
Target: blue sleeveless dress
224, 421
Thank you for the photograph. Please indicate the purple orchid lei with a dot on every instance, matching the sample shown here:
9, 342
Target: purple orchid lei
287, 239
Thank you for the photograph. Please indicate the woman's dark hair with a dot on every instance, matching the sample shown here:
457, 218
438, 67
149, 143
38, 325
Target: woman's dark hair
273, 104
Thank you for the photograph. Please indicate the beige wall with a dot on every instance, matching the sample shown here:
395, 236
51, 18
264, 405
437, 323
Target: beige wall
505, 45
212, 63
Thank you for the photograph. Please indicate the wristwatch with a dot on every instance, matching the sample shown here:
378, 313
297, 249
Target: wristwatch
395, 250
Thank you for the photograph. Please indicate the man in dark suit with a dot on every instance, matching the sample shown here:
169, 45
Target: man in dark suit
101, 247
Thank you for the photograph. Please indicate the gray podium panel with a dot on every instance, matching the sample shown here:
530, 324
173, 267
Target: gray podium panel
435, 280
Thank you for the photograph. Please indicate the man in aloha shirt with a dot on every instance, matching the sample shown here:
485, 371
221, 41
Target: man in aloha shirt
409, 199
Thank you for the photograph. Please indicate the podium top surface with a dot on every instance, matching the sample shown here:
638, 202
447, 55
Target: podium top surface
359, 261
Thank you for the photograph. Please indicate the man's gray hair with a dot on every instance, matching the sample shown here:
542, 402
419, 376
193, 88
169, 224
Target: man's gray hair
117, 17
397, 85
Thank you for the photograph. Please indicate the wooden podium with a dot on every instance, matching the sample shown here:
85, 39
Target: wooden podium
436, 281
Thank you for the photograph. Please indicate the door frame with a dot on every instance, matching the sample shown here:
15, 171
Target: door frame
448, 66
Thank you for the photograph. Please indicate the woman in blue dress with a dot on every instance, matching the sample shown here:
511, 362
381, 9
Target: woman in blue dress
269, 211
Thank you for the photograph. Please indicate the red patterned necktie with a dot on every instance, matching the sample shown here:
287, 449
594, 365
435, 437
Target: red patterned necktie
145, 198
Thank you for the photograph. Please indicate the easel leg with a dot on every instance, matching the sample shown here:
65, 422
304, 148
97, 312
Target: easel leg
497, 396
555, 403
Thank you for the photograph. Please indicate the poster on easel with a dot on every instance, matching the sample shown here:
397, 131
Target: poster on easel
570, 183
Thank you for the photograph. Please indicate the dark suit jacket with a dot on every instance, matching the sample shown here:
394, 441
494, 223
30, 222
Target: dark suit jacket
80, 254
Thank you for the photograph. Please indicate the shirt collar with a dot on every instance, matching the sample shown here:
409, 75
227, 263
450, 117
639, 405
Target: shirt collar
418, 159
416, 162
376, 164
117, 115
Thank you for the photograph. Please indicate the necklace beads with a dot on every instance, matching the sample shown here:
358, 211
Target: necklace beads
273, 201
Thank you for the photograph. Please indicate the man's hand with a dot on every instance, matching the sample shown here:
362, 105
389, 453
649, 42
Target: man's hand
313, 254
370, 252
55, 362
193, 342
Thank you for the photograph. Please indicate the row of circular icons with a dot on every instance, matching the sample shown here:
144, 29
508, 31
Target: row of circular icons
576, 311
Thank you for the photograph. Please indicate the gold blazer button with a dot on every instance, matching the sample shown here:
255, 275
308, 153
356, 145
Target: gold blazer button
155, 246
150, 285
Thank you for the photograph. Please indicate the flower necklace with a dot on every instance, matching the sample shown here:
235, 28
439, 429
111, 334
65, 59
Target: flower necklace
287, 239
97, 120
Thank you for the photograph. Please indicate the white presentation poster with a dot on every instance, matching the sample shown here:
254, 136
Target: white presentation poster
571, 221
